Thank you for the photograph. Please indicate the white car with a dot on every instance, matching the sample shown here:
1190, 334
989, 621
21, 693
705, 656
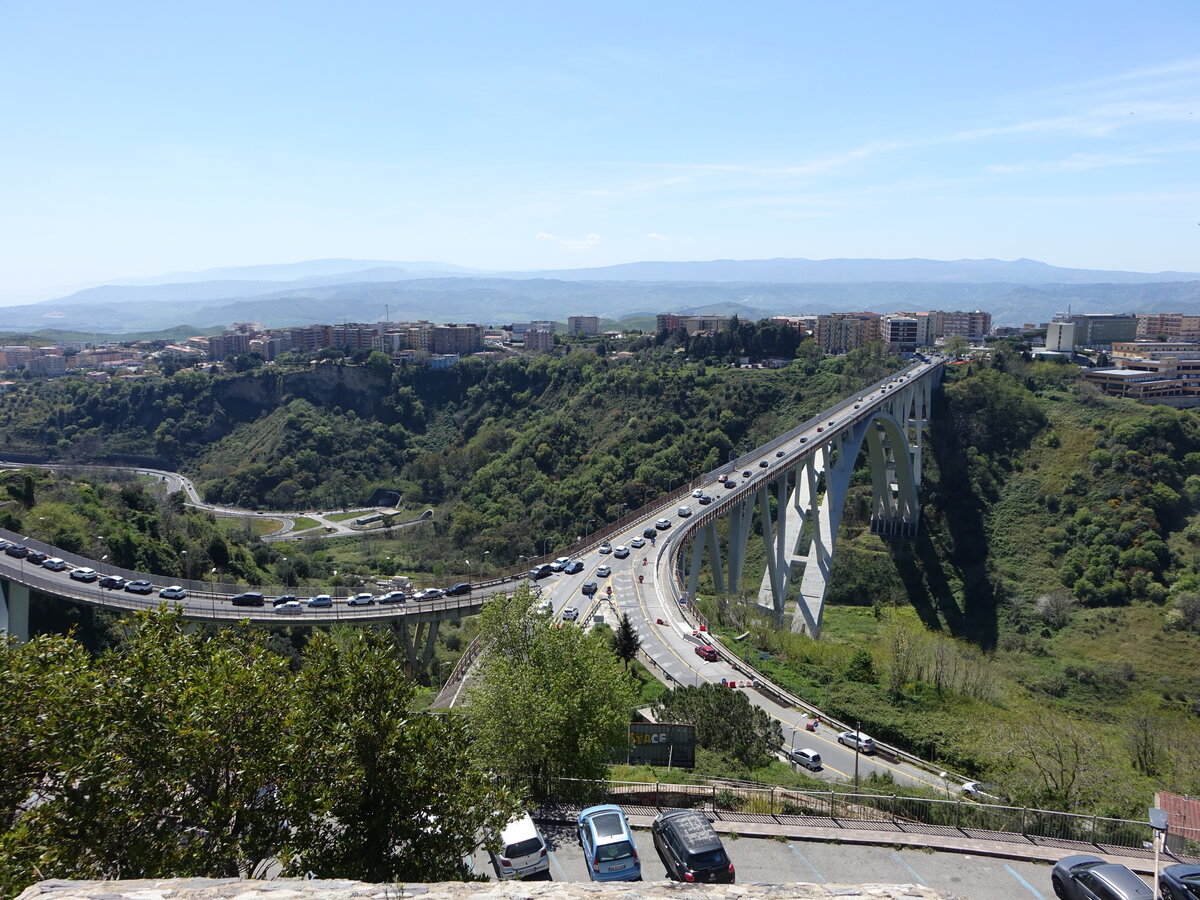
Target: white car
84, 574
603, 572
684, 511
363, 599
570, 614
320, 600
605, 548
638, 542
561, 563
856, 739
54, 564
621, 552
698, 493
289, 608
174, 592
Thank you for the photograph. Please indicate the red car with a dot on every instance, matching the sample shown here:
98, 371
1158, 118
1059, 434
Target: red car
706, 652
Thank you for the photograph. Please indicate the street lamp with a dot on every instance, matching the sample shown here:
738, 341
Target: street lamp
1158, 821
184, 554
857, 739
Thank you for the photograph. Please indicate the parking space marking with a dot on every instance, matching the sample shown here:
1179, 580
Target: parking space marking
557, 870
1029, 887
804, 859
911, 871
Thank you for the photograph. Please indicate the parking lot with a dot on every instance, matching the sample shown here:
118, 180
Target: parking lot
776, 861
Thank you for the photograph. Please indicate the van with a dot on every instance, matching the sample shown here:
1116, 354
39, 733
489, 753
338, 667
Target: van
690, 849
810, 759
520, 850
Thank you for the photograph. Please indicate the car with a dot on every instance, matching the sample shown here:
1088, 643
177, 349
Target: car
831, 421
608, 848
683, 512
762, 463
605, 548
573, 567
519, 850
37, 557
55, 564
141, 586
698, 493
248, 598
722, 478
638, 542
620, 552
662, 524
4, 545
778, 454
393, 597
603, 571
459, 589
290, 608
689, 847
542, 571
856, 739
561, 563
320, 600
282, 599
1086, 877
983, 792
705, 500
1181, 882
173, 592
649, 533
708, 653
428, 594
112, 582
570, 614
83, 573
746, 473
589, 588
820, 428
806, 757
856, 405
731, 484
20, 551
804, 440
544, 608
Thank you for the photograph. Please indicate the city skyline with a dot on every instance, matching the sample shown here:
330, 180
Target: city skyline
152, 140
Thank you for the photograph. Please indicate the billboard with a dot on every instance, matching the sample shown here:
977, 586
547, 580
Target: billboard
662, 745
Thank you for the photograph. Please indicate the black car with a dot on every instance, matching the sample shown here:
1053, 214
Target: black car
458, 590
20, 551
282, 599
112, 582
140, 586
589, 588
650, 533
542, 571
249, 598
1180, 882
689, 848
762, 463
746, 474
37, 557
705, 500
778, 453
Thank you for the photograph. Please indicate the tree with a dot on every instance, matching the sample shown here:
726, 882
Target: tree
377, 791
725, 721
626, 642
956, 345
378, 363
548, 701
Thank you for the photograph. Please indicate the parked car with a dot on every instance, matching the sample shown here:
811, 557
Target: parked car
605, 548
683, 512
37, 557
589, 588
559, 564
361, 599
689, 848
1181, 882
519, 850
620, 552
857, 739
83, 573
662, 524
139, 587
637, 543
704, 500
320, 600
20, 551
394, 597
462, 588
1086, 877
290, 608
112, 582
806, 757
608, 848
707, 653
570, 614
55, 564
542, 571
248, 598
173, 592
4, 545
603, 571
573, 567
282, 599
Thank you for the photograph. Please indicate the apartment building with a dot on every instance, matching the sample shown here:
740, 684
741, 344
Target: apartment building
692, 324
899, 332
974, 326
583, 325
1168, 327
539, 341
843, 332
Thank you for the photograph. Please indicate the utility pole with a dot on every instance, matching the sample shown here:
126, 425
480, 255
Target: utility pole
857, 738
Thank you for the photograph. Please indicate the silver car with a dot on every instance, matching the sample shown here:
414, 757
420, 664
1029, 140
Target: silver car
1086, 877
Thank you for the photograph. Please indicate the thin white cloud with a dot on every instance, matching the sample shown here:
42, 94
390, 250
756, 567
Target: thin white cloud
585, 244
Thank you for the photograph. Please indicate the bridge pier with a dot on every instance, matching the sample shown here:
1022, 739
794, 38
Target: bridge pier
14, 610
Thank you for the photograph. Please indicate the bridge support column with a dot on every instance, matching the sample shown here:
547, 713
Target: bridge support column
14, 610
740, 517
792, 515
426, 633
706, 538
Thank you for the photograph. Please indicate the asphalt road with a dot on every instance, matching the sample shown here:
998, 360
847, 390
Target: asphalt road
782, 861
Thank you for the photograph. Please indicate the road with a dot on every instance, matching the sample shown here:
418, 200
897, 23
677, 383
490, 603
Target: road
773, 861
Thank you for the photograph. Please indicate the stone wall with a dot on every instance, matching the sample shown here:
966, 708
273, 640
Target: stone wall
289, 889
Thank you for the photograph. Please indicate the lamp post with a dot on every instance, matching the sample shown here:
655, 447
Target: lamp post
857, 739
212, 595
791, 758
1158, 821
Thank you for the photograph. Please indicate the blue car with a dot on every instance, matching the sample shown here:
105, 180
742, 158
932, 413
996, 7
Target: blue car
608, 848
1180, 882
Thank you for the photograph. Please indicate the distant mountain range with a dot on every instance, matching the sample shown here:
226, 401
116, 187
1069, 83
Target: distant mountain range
335, 290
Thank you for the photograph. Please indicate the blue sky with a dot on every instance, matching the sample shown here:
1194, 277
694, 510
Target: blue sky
143, 138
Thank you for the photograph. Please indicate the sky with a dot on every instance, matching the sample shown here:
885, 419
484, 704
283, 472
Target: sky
145, 138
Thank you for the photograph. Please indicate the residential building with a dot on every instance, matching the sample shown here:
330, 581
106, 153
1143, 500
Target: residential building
1168, 327
583, 325
1060, 337
539, 341
454, 338
974, 326
898, 332
842, 332
519, 328
692, 324
48, 365
221, 346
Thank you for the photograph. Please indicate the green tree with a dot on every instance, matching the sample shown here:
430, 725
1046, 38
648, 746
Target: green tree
725, 721
626, 642
548, 701
956, 345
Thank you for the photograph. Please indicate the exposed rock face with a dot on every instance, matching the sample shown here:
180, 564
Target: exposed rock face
289, 889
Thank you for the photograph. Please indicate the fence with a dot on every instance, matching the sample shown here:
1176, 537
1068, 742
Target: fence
732, 801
